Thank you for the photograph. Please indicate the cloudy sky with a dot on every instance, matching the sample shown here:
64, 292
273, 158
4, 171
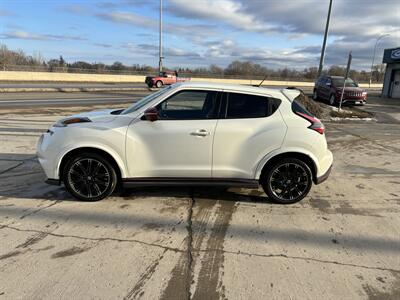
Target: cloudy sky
274, 33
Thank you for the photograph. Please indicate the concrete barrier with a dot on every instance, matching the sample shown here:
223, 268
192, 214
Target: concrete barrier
16, 76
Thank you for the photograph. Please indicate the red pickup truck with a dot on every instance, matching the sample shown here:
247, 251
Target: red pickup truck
164, 78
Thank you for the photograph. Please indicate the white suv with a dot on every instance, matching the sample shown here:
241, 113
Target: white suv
191, 134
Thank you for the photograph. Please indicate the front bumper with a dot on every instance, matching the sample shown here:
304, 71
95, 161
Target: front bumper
47, 155
353, 101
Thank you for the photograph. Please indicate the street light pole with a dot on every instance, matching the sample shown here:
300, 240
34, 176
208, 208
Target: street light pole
373, 56
160, 63
321, 60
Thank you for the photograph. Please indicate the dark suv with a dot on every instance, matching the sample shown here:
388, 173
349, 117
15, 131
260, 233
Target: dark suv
329, 88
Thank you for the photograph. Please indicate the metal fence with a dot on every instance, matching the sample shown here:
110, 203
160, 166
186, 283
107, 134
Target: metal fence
153, 72
142, 73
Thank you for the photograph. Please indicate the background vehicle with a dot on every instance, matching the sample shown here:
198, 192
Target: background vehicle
329, 88
191, 134
164, 78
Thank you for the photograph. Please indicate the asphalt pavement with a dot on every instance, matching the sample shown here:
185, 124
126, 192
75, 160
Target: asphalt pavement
26, 100
72, 85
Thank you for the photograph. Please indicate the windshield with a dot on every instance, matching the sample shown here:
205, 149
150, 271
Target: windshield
142, 102
338, 82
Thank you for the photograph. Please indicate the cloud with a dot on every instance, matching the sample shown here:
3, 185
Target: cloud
152, 50
102, 45
219, 11
24, 35
75, 9
130, 18
5, 13
354, 25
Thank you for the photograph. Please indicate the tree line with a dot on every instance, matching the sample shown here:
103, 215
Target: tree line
18, 60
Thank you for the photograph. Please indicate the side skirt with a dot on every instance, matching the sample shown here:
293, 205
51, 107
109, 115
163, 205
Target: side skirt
171, 181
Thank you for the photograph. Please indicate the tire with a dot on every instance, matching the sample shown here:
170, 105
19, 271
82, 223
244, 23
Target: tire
332, 100
159, 84
150, 85
287, 181
89, 177
315, 95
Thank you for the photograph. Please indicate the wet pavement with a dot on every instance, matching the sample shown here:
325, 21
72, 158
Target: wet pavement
340, 242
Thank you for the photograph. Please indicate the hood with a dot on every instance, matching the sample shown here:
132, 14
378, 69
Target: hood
104, 115
351, 89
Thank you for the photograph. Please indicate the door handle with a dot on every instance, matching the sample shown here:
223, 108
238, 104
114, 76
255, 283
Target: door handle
200, 132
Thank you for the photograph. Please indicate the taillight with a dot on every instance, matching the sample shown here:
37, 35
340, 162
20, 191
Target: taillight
316, 124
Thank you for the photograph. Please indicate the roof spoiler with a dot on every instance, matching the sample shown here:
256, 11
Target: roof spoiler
291, 93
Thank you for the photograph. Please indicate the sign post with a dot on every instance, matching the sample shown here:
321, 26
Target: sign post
345, 78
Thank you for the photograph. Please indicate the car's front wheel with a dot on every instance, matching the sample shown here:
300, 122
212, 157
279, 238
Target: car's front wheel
89, 177
287, 181
159, 84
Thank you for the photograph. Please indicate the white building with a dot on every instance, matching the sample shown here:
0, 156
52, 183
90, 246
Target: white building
391, 83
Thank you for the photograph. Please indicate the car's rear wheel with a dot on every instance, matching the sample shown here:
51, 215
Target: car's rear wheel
332, 100
287, 181
159, 84
89, 177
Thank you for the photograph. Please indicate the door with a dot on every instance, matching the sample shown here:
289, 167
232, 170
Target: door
250, 128
179, 143
326, 88
396, 85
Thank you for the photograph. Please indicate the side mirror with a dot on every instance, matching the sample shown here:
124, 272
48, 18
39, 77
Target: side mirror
151, 114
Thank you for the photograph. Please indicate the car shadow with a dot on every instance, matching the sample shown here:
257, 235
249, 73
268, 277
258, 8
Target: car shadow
204, 192
22, 177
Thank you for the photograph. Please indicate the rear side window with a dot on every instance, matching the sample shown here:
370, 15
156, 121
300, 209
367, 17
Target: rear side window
240, 106
299, 108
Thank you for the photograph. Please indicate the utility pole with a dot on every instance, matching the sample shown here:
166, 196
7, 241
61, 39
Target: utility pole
373, 56
160, 63
321, 60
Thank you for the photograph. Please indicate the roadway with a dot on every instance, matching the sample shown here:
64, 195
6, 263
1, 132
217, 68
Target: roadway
56, 99
72, 85
24, 100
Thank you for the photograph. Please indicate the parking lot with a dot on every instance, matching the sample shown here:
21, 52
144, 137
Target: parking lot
341, 242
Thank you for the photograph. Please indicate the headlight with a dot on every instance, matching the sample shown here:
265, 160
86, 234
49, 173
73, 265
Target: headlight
364, 93
68, 121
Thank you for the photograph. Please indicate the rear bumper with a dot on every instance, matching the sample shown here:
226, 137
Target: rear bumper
323, 177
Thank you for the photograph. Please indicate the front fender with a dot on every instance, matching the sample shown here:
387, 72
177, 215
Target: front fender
114, 154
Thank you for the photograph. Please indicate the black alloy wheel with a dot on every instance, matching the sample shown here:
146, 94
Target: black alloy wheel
288, 181
89, 177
